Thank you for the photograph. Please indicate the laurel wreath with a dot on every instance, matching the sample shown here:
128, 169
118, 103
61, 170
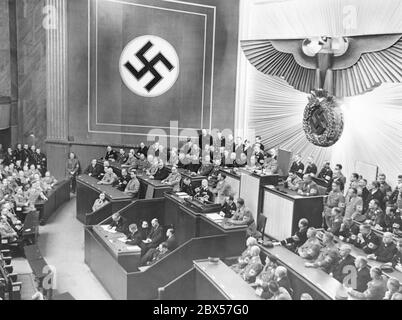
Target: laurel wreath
321, 101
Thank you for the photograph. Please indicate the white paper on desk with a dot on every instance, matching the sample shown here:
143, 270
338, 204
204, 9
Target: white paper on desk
122, 239
181, 194
214, 216
112, 230
133, 248
104, 227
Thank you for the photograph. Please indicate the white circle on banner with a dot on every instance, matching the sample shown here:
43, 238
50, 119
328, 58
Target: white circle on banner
149, 66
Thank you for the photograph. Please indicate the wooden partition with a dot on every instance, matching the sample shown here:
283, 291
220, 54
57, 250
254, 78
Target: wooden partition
143, 285
181, 288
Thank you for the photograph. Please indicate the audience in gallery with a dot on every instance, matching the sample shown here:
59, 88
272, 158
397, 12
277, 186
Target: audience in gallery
24, 180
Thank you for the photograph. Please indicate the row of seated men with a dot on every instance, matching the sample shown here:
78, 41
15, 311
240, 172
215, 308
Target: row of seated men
382, 216
334, 259
19, 192
22, 156
153, 241
270, 281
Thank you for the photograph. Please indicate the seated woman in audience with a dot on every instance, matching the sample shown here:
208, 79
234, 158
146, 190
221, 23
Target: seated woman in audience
376, 288
311, 248
278, 293
245, 256
300, 237
393, 287
100, 202
386, 251
253, 267
329, 254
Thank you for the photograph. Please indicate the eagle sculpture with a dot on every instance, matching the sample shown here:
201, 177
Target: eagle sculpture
328, 68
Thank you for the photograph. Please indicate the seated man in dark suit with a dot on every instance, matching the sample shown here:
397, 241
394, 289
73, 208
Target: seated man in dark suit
155, 254
162, 173
134, 236
363, 274
386, 250
187, 187
229, 207
118, 222
300, 237
171, 241
345, 265
93, 170
111, 154
155, 237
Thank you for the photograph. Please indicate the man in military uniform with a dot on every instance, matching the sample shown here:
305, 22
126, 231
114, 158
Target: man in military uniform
326, 172
297, 166
307, 187
213, 176
375, 215
203, 192
111, 155
352, 201
311, 167
336, 221
40, 159
109, 178
392, 220
384, 186
329, 254
293, 181
173, 179
222, 189
123, 180
187, 186
311, 248
229, 207
335, 199
367, 240
122, 157
206, 167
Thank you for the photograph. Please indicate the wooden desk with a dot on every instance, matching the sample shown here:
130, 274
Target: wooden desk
127, 256
59, 194
251, 189
320, 285
88, 191
151, 189
217, 281
284, 210
192, 224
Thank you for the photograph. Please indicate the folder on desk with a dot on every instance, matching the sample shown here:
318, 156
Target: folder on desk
214, 216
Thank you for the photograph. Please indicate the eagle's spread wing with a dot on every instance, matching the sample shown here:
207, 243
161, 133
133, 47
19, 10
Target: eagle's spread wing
369, 61
371, 69
263, 55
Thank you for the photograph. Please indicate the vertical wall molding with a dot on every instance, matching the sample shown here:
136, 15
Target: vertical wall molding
55, 24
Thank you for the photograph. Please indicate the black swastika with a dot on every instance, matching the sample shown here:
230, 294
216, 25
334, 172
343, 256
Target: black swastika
149, 66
